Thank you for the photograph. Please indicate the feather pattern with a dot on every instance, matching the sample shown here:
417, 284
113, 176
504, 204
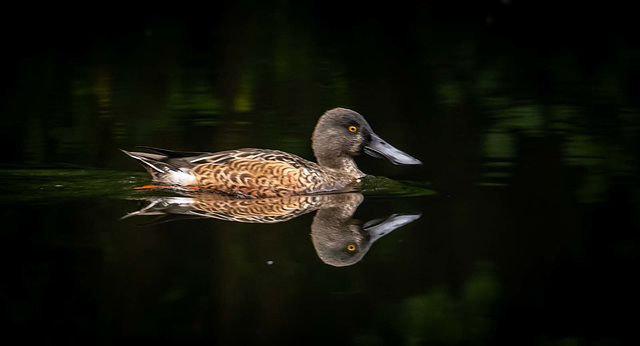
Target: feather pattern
264, 173
246, 173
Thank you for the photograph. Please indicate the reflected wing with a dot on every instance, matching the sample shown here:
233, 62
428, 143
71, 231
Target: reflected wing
259, 210
221, 207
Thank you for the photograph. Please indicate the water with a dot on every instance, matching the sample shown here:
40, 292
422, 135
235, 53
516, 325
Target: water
521, 227
461, 272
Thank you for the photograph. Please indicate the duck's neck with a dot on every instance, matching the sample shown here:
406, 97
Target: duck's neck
344, 165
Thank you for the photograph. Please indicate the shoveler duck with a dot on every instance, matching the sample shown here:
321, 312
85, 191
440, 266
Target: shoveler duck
339, 135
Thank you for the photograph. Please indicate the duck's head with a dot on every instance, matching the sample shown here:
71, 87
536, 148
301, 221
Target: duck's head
342, 133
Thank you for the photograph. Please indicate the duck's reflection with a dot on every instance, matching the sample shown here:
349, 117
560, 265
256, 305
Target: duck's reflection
339, 239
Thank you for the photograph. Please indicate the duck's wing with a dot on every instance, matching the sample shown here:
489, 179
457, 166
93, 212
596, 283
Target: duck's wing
173, 153
251, 154
189, 159
162, 161
261, 173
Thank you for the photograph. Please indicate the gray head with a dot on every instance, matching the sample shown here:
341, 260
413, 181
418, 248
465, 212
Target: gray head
342, 133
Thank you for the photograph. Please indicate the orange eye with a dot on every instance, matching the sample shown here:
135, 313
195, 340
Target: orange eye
351, 247
353, 128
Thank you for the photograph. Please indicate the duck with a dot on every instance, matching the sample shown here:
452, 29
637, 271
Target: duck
339, 135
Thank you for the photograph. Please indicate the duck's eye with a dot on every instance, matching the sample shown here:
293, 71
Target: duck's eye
353, 128
351, 247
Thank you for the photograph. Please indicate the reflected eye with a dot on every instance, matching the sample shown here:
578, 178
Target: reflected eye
351, 247
353, 128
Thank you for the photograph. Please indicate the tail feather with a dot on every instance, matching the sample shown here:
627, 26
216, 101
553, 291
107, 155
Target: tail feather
163, 168
152, 162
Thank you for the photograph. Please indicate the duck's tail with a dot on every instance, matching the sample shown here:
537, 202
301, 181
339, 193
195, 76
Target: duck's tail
162, 170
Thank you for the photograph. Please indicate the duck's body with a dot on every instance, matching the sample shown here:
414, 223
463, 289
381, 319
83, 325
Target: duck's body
339, 135
246, 172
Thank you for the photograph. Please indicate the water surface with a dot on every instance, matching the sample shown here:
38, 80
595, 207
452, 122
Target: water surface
460, 272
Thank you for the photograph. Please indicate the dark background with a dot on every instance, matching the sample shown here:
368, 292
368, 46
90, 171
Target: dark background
525, 115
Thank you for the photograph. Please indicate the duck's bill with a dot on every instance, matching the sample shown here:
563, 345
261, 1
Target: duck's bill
377, 147
380, 227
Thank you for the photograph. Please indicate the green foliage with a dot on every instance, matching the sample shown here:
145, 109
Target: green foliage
438, 316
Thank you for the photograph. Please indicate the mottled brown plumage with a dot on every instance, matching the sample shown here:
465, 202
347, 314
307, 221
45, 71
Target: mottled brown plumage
245, 210
266, 173
339, 135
